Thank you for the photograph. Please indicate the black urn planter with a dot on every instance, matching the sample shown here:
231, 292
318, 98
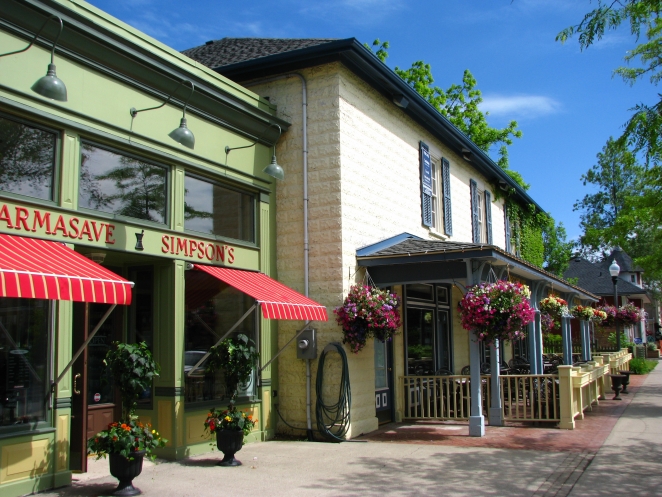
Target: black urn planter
617, 385
229, 442
125, 471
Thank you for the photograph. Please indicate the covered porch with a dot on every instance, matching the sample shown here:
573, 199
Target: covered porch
441, 371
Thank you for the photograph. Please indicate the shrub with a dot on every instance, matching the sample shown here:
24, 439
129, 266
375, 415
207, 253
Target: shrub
642, 366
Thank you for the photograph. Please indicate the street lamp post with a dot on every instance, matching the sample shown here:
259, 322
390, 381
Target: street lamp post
614, 269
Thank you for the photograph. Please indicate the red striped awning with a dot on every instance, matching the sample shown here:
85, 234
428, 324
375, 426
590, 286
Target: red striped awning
277, 300
39, 269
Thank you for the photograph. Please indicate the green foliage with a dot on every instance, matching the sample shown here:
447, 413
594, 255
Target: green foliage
553, 339
611, 339
237, 357
126, 438
382, 48
229, 419
133, 369
627, 208
642, 366
418, 351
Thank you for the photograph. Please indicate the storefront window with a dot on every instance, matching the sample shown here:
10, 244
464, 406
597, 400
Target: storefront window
210, 208
27, 159
212, 308
123, 185
24, 345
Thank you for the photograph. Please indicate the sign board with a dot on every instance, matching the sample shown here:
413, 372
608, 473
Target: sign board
637, 341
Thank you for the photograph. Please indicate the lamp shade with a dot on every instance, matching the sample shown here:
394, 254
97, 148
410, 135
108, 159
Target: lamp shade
614, 269
50, 86
183, 135
274, 170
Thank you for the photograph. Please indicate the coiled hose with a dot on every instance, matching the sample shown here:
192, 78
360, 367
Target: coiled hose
333, 419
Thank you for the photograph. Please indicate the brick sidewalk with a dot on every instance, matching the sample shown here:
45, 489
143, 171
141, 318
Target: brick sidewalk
588, 436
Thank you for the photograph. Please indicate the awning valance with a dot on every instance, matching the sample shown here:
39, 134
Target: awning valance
39, 269
277, 300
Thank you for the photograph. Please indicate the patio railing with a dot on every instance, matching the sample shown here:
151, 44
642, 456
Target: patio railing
561, 397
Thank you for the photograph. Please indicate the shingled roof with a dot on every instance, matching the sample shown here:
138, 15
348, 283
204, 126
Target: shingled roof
595, 278
219, 53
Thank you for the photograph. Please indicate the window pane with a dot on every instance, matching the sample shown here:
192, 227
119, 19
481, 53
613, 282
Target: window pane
210, 208
212, 308
118, 184
420, 291
24, 339
420, 342
27, 160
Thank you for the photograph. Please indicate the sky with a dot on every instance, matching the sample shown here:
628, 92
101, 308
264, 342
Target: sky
565, 101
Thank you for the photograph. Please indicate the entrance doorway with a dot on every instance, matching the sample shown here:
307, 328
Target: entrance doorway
95, 400
95, 403
384, 381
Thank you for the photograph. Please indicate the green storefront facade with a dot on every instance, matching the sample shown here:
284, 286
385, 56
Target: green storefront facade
118, 189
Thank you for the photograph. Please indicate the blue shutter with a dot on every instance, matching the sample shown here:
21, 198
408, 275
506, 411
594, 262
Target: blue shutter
474, 211
426, 185
488, 216
506, 222
446, 184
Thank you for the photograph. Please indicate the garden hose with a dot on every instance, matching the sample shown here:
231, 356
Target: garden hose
333, 419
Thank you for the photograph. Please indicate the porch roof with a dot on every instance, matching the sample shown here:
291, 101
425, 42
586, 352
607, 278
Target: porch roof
415, 260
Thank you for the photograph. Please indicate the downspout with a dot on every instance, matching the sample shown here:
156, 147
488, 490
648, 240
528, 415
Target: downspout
306, 247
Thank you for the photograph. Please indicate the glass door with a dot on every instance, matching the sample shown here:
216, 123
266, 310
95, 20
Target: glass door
384, 381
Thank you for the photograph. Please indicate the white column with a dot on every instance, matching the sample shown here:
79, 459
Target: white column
476, 420
495, 414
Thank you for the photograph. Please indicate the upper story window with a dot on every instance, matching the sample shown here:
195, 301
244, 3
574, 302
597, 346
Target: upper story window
120, 184
27, 159
214, 209
481, 214
435, 192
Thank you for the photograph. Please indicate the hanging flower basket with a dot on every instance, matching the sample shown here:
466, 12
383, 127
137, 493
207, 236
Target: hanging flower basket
610, 312
498, 310
583, 313
599, 316
552, 308
629, 314
368, 312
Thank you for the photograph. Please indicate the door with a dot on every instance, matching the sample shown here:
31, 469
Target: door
384, 381
94, 402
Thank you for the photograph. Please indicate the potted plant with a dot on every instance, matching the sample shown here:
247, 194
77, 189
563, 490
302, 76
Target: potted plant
237, 357
629, 314
610, 311
497, 310
652, 351
127, 441
368, 312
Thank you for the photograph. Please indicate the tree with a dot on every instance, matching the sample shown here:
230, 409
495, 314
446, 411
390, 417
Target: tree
642, 131
627, 210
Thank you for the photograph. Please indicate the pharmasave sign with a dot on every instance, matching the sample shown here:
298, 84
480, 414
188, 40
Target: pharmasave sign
17, 219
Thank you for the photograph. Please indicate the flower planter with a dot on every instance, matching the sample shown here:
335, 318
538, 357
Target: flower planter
653, 354
125, 470
229, 442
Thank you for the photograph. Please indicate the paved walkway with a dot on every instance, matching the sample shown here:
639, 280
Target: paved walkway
604, 455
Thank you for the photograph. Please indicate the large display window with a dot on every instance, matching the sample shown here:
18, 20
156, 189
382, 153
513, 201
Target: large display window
212, 308
24, 361
27, 159
217, 210
121, 184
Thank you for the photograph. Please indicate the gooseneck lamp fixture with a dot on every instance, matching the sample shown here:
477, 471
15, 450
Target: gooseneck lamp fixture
274, 169
614, 269
182, 134
49, 86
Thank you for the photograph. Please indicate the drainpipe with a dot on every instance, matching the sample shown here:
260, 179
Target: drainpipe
306, 247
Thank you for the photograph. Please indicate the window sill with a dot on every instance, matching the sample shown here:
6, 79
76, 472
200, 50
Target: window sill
438, 236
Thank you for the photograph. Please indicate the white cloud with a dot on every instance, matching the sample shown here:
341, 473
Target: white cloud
519, 106
356, 12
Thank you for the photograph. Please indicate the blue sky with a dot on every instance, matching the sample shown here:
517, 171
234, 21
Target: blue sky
565, 101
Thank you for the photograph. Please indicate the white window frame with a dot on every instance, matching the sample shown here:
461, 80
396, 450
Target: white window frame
480, 200
437, 213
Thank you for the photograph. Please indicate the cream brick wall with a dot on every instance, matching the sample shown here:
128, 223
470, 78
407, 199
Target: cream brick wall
364, 186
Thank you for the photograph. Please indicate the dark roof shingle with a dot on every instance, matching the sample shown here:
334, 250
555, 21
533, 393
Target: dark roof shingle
595, 278
218, 53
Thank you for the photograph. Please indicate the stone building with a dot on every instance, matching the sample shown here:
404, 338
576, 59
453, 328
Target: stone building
378, 183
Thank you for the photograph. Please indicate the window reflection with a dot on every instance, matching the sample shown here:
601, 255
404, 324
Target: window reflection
24, 339
210, 208
27, 160
119, 184
212, 308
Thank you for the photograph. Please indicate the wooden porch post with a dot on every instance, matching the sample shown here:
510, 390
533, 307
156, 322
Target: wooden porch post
586, 346
495, 414
567, 340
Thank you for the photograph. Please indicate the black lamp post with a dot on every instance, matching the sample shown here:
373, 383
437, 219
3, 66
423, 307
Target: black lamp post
614, 269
